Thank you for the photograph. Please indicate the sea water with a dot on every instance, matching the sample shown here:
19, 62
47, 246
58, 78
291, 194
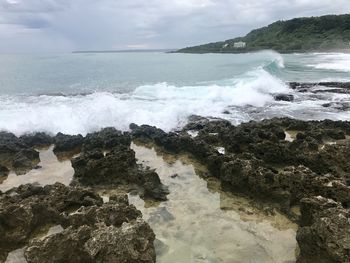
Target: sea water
80, 93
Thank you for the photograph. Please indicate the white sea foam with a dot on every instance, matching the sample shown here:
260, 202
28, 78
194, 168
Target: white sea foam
162, 105
332, 61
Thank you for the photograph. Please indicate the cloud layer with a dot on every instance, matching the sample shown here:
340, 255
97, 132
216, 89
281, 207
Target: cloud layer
65, 25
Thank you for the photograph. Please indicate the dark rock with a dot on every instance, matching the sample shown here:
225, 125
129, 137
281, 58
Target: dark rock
335, 134
132, 242
260, 163
117, 167
14, 154
62, 247
93, 231
39, 139
334, 87
283, 97
67, 143
106, 139
342, 106
3, 171
115, 213
324, 235
28, 207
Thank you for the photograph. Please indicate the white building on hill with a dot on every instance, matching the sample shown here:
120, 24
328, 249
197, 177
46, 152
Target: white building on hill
239, 44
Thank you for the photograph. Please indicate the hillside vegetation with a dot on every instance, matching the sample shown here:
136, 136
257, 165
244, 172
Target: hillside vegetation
323, 33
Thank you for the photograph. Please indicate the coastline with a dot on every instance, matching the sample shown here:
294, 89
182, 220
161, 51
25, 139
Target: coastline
297, 51
306, 178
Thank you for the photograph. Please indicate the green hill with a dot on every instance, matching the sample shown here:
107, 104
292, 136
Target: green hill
325, 33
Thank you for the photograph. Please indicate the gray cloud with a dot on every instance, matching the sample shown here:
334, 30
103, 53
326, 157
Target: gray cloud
65, 25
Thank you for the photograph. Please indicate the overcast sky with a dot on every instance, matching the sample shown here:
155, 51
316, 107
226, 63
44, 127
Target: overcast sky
66, 25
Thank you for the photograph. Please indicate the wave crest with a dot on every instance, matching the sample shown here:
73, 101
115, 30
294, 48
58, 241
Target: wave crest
162, 105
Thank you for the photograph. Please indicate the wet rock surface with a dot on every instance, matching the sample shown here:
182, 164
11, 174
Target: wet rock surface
16, 154
324, 235
93, 231
321, 87
283, 97
258, 161
107, 160
106, 139
67, 143
309, 170
39, 139
4, 171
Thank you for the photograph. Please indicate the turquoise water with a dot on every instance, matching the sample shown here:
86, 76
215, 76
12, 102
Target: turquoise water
122, 72
78, 93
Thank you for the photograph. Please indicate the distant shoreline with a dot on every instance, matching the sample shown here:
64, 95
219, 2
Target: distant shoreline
125, 51
260, 50
174, 51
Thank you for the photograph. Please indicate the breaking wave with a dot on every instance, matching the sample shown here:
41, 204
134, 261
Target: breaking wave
162, 105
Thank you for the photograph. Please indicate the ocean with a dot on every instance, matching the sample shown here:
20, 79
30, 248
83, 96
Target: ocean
83, 92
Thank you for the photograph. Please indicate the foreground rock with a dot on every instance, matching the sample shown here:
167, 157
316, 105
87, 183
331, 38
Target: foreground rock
324, 235
257, 160
93, 231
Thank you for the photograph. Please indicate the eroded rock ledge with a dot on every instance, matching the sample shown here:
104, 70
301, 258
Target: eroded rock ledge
256, 159
92, 231
105, 160
308, 169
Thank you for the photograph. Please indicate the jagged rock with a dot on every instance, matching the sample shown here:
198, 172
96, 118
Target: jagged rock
67, 143
342, 106
324, 235
29, 207
93, 231
66, 246
130, 243
254, 148
334, 87
14, 154
117, 167
3, 171
283, 97
39, 139
105, 139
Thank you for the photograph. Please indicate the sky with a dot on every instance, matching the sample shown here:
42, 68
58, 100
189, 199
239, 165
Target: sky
68, 25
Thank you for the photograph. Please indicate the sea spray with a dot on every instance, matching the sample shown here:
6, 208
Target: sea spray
163, 105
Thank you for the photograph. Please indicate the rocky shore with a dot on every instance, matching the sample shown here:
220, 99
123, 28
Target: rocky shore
299, 168
307, 176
